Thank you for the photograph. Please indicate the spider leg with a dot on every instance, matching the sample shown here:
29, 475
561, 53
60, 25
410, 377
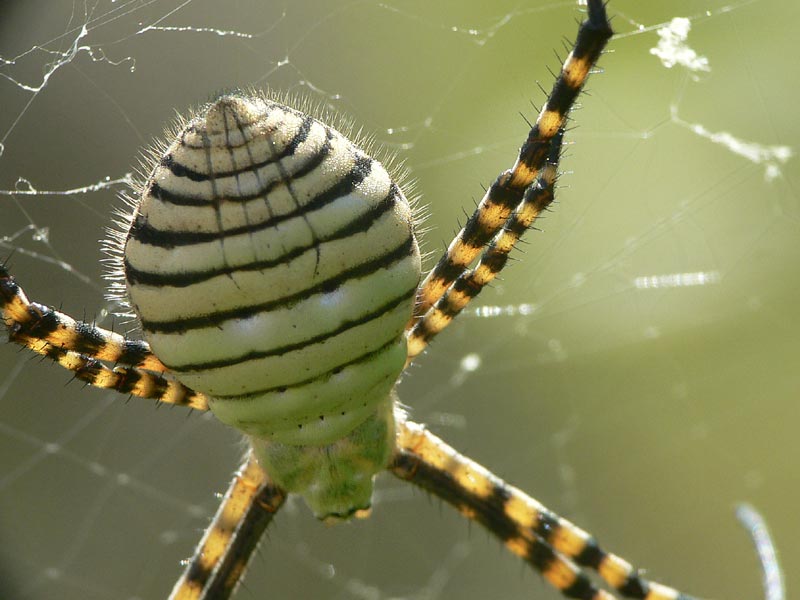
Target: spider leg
80, 348
222, 556
125, 380
30, 323
551, 545
506, 193
536, 199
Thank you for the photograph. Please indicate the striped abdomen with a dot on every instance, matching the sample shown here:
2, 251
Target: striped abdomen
273, 266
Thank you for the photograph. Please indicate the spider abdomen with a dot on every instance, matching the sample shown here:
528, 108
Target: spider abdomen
273, 266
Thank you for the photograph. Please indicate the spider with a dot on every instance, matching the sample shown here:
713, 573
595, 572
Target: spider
275, 273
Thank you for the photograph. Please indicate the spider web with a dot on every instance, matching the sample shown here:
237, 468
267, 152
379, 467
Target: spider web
636, 370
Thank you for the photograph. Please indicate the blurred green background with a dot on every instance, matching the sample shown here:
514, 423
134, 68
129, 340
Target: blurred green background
644, 415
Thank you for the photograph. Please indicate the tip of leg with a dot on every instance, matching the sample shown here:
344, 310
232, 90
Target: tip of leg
597, 14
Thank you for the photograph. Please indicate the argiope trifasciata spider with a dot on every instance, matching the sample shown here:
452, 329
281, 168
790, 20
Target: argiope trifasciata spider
275, 273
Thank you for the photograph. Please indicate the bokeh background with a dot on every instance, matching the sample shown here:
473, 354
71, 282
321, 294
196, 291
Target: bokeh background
645, 414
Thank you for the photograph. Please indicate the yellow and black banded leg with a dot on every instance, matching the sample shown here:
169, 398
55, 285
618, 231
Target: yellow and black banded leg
506, 193
80, 348
222, 556
553, 546
125, 380
31, 322
469, 284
